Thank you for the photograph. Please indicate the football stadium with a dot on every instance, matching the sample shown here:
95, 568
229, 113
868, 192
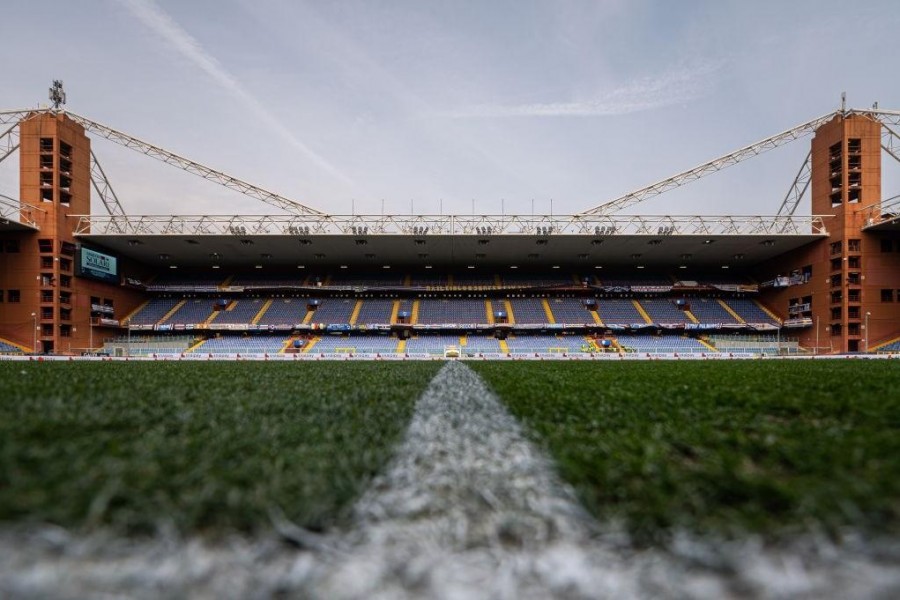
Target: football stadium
307, 404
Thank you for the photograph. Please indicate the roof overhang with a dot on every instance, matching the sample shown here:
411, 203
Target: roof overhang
450, 251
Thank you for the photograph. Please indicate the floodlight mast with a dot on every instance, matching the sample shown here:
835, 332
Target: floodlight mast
712, 166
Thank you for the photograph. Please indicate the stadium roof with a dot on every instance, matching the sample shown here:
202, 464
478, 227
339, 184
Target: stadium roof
451, 251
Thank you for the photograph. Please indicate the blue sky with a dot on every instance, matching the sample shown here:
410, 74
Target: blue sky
430, 106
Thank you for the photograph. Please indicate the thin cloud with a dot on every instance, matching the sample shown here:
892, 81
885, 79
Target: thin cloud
156, 19
675, 87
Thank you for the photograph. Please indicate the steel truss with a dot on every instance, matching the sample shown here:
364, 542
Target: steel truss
886, 117
9, 142
798, 188
890, 142
712, 166
21, 212
190, 166
104, 189
886, 210
431, 225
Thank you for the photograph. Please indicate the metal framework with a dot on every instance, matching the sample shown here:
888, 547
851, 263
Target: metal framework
9, 142
431, 225
798, 188
104, 189
14, 116
879, 212
21, 212
890, 142
710, 167
190, 166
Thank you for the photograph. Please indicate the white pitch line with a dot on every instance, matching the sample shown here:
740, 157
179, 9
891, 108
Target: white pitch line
467, 508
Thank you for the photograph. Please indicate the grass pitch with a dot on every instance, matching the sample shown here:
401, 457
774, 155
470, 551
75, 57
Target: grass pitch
206, 447
728, 448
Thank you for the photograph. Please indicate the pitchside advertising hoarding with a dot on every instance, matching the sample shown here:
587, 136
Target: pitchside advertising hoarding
97, 265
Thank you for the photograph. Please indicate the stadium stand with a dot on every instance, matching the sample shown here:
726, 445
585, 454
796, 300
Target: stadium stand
146, 345
890, 348
171, 281
481, 344
431, 344
663, 311
348, 301
350, 279
8, 348
192, 312
708, 310
239, 311
528, 311
284, 311
269, 281
375, 311
154, 310
364, 344
755, 344
749, 311
333, 310
454, 310
570, 310
620, 311
664, 344
537, 343
255, 344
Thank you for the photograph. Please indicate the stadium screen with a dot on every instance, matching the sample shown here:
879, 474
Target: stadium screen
96, 265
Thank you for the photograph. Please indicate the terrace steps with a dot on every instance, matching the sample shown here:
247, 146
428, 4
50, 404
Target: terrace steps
287, 344
355, 314
414, 313
401, 346
140, 307
227, 281
642, 312
394, 310
708, 345
19, 346
691, 316
510, 317
193, 347
309, 346
596, 316
489, 310
766, 310
262, 311
504, 347
874, 348
308, 316
548, 311
212, 316
171, 312
730, 311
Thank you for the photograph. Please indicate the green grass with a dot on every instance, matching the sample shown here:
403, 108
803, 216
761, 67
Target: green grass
208, 447
770, 447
